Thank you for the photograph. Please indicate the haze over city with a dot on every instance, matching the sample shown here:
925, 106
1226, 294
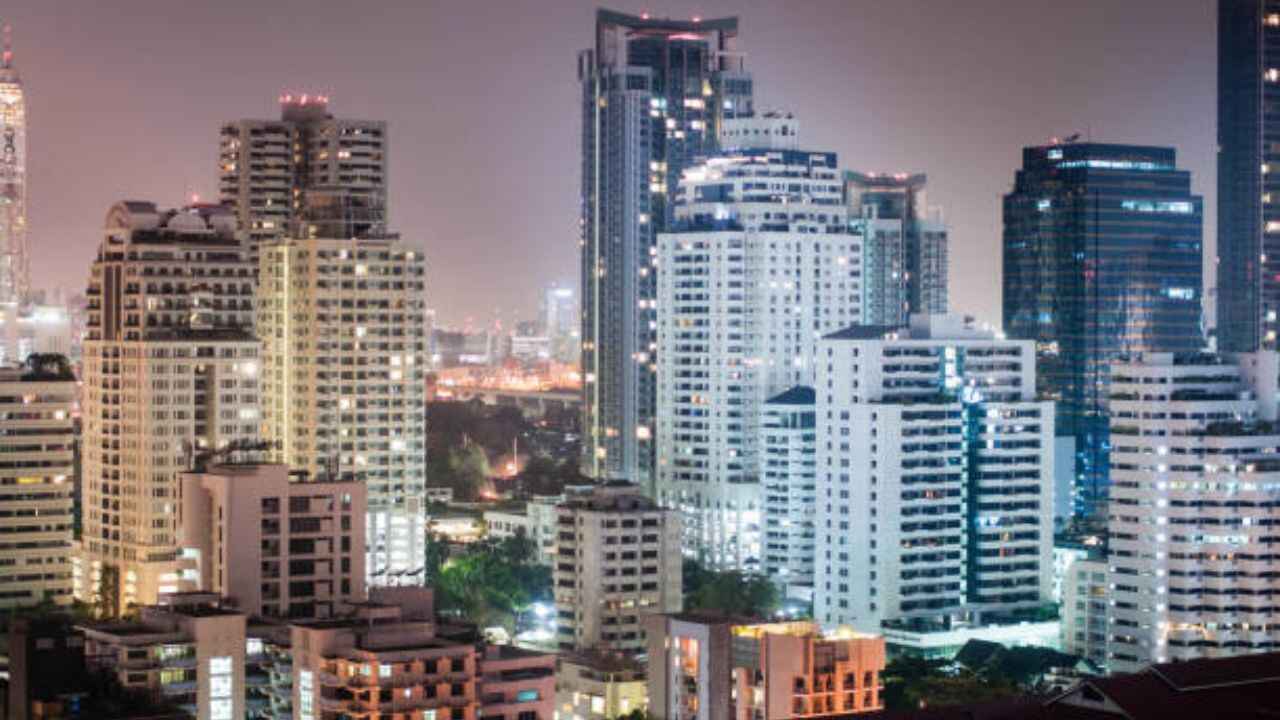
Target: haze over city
481, 101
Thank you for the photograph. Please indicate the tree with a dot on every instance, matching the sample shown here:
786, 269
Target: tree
730, 592
912, 683
494, 582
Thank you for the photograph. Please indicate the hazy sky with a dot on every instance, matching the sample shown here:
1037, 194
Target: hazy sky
125, 99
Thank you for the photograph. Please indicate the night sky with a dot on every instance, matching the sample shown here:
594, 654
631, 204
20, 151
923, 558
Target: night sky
125, 100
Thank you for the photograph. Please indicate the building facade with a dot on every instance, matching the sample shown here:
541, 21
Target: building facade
720, 668
1102, 257
654, 94
279, 544
1248, 167
599, 686
269, 169
788, 478
618, 560
37, 435
15, 260
934, 484
904, 247
171, 372
1085, 597
1192, 508
754, 269
345, 377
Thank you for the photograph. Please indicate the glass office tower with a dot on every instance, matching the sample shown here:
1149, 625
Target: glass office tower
1248, 173
1102, 259
654, 92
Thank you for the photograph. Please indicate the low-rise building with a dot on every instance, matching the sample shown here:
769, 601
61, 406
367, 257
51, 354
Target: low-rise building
278, 544
618, 560
724, 668
599, 686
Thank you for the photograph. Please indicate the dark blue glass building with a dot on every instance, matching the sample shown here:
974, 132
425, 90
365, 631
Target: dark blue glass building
1102, 258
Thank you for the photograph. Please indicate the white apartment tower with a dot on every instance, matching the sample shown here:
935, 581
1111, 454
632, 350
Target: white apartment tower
268, 169
1194, 474
37, 436
934, 483
344, 348
170, 371
757, 266
788, 476
617, 561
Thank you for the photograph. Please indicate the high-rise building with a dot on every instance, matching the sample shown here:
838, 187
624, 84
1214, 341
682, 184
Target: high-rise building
270, 169
1248, 267
171, 372
1085, 597
1193, 507
788, 476
558, 321
655, 93
37, 435
1102, 258
755, 270
904, 247
617, 560
714, 667
15, 261
934, 492
341, 318
280, 544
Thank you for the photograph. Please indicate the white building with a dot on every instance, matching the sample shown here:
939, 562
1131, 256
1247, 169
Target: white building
757, 266
1085, 597
1194, 477
935, 465
788, 474
617, 561
170, 371
37, 437
345, 384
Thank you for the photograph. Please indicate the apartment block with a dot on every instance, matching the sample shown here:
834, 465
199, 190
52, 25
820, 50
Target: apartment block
278, 544
1194, 477
788, 475
1085, 597
618, 560
716, 667
934, 487
344, 383
599, 685
171, 373
37, 435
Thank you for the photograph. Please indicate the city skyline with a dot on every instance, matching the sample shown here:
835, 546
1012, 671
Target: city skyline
886, 114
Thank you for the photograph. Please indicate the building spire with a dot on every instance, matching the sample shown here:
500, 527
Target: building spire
7, 62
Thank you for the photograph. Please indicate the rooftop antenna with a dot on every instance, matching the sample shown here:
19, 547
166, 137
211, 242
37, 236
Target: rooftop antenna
8, 46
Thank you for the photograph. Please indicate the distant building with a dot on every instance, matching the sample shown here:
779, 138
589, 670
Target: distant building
341, 317
279, 545
1248, 262
559, 322
529, 348
788, 473
270, 170
1085, 600
190, 651
754, 272
904, 247
721, 668
1102, 258
15, 252
171, 297
618, 560
935, 467
35, 328
37, 437
1194, 462
655, 93
599, 686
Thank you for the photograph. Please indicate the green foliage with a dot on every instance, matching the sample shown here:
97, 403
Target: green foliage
493, 582
465, 469
544, 476
730, 592
911, 683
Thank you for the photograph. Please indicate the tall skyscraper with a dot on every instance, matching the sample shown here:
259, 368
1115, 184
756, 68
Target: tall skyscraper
37, 435
342, 318
1193, 508
1248, 265
654, 95
1102, 258
268, 169
558, 321
934, 482
15, 268
904, 247
170, 371
755, 269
